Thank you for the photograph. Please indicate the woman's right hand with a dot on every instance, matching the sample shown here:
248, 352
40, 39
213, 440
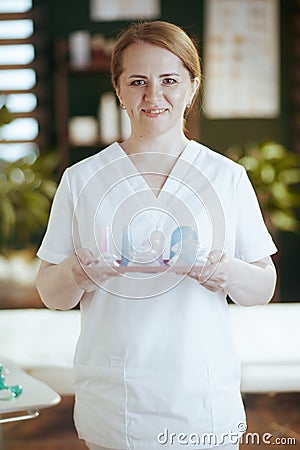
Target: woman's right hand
86, 272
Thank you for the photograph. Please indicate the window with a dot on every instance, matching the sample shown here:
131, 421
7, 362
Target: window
20, 72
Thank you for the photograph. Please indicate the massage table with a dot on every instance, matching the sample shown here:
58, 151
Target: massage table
35, 395
42, 343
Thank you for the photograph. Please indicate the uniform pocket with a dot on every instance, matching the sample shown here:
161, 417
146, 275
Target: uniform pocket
100, 403
161, 400
226, 401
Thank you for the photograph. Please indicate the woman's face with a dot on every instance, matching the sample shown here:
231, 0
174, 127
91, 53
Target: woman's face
155, 88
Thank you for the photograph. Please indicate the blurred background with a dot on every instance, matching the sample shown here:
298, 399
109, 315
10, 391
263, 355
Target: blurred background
57, 107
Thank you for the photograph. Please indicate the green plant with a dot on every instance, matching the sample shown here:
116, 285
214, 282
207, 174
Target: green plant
275, 174
27, 188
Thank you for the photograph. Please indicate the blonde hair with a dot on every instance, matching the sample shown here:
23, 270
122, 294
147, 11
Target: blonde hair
162, 34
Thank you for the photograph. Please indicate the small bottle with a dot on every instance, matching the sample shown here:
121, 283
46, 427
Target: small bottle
108, 117
80, 49
125, 125
105, 243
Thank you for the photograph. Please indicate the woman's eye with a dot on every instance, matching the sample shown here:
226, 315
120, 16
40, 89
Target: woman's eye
169, 81
138, 83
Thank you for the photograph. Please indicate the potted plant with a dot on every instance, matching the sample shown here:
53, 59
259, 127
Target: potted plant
275, 174
27, 187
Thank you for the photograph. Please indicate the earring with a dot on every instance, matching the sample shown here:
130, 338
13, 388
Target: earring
122, 106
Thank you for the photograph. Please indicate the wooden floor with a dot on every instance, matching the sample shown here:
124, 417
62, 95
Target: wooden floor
52, 430
278, 415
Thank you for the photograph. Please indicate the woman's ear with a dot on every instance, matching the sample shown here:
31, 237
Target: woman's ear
117, 91
197, 83
195, 87
119, 98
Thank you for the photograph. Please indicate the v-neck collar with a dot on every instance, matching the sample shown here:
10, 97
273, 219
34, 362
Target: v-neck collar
134, 184
175, 178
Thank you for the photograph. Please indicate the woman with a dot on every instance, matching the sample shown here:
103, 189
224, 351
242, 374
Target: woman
155, 363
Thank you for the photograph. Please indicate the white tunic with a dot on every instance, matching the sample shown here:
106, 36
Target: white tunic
155, 362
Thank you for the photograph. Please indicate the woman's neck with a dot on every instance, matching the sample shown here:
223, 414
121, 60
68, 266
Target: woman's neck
171, 145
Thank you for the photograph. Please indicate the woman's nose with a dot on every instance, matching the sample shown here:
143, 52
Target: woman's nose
153, 92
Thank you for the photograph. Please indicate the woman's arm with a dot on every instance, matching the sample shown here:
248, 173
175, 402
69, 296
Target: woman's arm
246, 284
61, 286
252, 284
56, 286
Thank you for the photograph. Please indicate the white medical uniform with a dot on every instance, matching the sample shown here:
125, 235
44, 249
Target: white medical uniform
155, 364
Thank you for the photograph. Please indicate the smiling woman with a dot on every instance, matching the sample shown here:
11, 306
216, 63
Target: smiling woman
155, 349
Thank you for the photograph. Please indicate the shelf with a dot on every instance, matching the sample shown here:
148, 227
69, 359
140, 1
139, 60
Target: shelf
99, 63
63, 71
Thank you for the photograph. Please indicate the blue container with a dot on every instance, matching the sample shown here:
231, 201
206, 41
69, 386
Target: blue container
184, 245
126, 246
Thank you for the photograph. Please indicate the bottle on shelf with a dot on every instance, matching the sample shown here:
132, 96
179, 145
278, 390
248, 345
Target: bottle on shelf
125, 126
108, 116
80, 49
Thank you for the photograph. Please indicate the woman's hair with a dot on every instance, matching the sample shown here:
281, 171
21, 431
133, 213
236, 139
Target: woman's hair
160, 33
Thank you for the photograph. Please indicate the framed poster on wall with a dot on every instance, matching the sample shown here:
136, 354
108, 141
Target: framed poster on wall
241, 59
110, 10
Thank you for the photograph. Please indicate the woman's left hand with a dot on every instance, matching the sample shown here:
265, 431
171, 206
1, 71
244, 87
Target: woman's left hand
214, 275
246, 283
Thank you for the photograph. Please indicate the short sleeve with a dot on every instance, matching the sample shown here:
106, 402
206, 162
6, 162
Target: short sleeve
253, 240
57, 243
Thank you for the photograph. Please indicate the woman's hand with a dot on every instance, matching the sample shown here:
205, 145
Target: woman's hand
88, 275
61, 286
214, 275
246, 283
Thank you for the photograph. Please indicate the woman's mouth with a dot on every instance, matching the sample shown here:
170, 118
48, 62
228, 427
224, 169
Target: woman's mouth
154, 111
